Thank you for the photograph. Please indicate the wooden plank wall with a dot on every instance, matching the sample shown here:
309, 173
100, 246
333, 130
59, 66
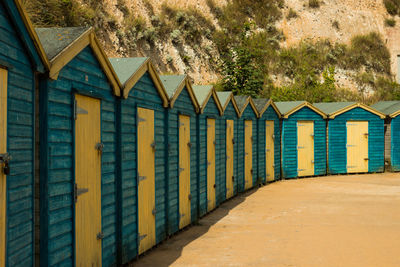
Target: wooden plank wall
395, 143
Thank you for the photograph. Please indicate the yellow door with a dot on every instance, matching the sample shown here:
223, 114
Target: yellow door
229, 158
3, 149
357, 146
305, 148
88, 146
146, 180
248, 154
270, 151
211, 163
184, 171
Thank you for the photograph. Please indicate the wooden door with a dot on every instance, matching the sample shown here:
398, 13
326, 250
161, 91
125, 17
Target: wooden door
3, 149
357, 146
270, 151
305, 148
88, 233
248, 154
211, 164
184, 171
146, 180
229, 158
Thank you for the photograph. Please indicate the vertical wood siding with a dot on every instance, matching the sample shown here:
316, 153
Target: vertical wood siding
248, 114
20, 143
268, 115
395, 143
144, 94
183, 105
289, 142
57, 159
338, 138
211, 110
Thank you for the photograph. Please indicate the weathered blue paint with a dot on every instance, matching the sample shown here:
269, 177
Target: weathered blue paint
183, 105
210, 111
143, 95
84, 75
269, 115
337, 138
19, 57
289, 142
395, 143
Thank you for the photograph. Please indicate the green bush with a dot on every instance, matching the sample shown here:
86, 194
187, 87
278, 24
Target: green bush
390, 22
392, 6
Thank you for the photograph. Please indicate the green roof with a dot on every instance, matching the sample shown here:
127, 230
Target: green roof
387, 107
55, 40
260, 103
223, 97
171, 83
332, 107
201, 92
285, 107
241, 101
126, 67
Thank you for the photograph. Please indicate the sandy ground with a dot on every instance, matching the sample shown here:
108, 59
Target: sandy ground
326, 221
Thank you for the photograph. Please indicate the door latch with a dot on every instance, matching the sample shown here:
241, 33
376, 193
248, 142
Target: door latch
100, 236
100, 147
5, 159
189, 145
79, 191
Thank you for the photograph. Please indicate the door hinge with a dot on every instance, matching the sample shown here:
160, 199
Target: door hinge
300, 170
79, 191
350, 145
142, 178
141, 237
246, 154
78, 110
181, 124
267, 150
227, 157
100, 147
100, 236
208, 163
141, 120
350, 167
366, 158
366, 134
300, 147
181, 170
209, 125
182, 215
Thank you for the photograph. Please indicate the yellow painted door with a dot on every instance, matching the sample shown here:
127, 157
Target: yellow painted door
3, 149
87, 182
305, 148
248, 154
270, 150
211, 163
184, 171
229, 158
357, 146
146, 180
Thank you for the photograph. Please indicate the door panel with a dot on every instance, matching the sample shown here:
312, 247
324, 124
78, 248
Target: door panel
211, 163
146, 180
229, 158
248, 154
357, 146
270, 150
305, 148
3, 149
184, 171
87, 182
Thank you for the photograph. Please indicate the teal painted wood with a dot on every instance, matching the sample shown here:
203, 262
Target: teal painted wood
248, 114
183, 105
395, 143
57, 160
289, 142
269, 115
210, 111
143, 95
17, 54
337, 152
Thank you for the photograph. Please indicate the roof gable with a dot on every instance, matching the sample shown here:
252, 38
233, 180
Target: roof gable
390, 108
225, 98
262, 105
242, 101
334, 109
290, 107
203, 95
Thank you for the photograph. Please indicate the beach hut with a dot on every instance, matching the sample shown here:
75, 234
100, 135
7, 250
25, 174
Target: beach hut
21, 59
78, 148
182, 160
209, 160
142, 157
392, 129
303, 139
228, 137
355, 137
268, 140
247, 143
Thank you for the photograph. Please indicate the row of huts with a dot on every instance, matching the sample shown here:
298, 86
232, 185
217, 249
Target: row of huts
101, 159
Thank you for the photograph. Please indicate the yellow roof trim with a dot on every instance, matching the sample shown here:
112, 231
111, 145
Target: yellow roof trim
71, 51
234, 105
214, 95
305, 104
249, 101
146, 66
270, 103
178, 92
355, 105
395, 114
32, 33
191, 94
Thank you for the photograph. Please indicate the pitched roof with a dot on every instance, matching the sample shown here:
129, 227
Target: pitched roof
130, 70
390, 108
203, 94
334, 109
263, 103
290, 107
242, 101
225, 98
174, 85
